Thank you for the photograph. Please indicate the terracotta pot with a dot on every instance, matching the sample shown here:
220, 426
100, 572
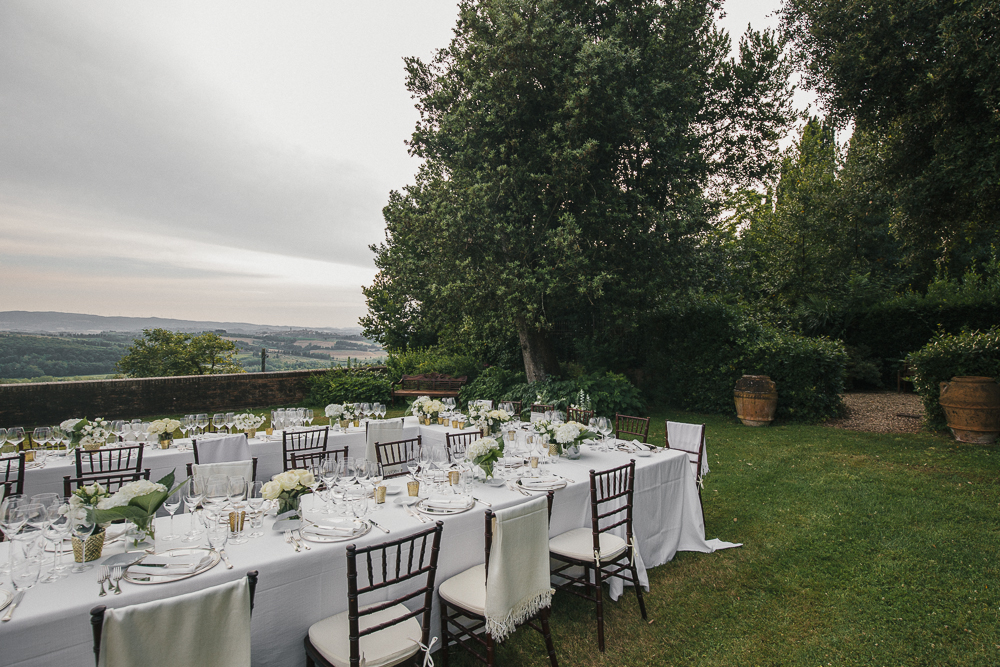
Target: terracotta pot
972, 408
756, 400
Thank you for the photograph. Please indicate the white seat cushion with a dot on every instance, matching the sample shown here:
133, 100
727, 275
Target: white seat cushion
467, 590
579, 544
385, 647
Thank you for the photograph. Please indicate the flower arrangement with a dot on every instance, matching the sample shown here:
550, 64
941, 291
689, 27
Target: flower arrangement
426, 407
288, 488
85, 433
87, 498
334, 411
351, 412
484, 453
564, 434
583, 402
136, 501
487, 418
248, 421
163, 428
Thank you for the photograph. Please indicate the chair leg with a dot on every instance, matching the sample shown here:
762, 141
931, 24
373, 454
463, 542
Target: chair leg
599, 586
444, 634
638, 590
547, 633
491, 647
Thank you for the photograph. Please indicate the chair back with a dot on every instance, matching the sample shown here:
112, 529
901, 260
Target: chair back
108, 460
161, 632
387, 430
300, 442
384, 567
221, 450
457, 443
392, 456
111, 481
611, 501
690, 439
631, 428
542, 407
316, 458
12, 474
579, 415
200, 472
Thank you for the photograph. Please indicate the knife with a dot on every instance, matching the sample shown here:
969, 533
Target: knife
222, 552
13, 605
385, 530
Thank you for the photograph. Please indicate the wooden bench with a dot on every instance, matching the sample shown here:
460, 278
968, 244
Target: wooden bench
434, 385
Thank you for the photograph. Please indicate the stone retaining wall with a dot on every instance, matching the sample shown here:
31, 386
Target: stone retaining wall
48, 403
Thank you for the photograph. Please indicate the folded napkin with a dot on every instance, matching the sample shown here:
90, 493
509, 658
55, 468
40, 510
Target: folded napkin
116, 530
166, 566
447, 503
639, 446
331, 531
542, 482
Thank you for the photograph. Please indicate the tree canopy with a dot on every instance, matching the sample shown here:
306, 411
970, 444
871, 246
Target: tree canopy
162, 353
574, 154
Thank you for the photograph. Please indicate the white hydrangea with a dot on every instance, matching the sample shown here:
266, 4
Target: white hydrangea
480, 447
568, 432
247, 421
334, 410
163, 426
69, 424
129, 491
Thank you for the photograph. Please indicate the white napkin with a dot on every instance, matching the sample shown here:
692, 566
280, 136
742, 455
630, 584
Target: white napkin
546, 482
447, 503
174, 566
639, 446
331, 531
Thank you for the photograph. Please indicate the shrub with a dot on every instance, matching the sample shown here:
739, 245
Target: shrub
431, 360
492, 383
947, 356
700, 349
350, 385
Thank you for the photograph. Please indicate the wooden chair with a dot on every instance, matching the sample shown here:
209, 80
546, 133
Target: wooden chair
462, 604
108, 460
12, 474
636, 428
693, 447
384, 632
301, 442
392, 456
111, 481
310, 459
456, 444
580, 416
600, 553
542, 407
182, 607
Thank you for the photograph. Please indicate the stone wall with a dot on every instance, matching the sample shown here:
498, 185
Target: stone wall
47, 403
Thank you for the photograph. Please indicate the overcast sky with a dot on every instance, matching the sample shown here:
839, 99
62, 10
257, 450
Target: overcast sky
209, 159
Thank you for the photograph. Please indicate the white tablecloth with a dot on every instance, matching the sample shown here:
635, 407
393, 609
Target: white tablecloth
52, 626
268, 452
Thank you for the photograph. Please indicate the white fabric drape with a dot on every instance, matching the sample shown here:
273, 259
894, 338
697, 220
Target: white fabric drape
223, 449
202, 471
389, 430
688, 437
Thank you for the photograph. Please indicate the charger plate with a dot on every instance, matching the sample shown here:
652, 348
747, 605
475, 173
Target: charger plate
5, 598
147, 579
310, 530
542, 484
423, 508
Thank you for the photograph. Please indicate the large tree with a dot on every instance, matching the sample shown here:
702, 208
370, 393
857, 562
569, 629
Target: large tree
571, 150
920, 77
163, 353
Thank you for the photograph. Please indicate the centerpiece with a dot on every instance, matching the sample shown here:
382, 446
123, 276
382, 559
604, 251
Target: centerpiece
85, 433
484, 453
137, 502
335, 411
84, 500
352, 415
427, 409
288, 488
164, 429
564, 438
488, 420
248, 422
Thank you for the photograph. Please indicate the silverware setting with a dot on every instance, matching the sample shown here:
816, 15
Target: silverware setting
514, 486
483, 502
297, 534
416, 515
102, 578
384, 530
288, 539
222, 552
118, 572
13, 605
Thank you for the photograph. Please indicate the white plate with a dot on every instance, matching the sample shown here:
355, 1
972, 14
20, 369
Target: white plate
423, 508
549, 484
393, 489
5, 598
357, 528
406, 500
199, 552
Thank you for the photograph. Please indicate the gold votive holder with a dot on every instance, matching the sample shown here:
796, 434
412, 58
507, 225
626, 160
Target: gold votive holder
534, 461
29, 455
270, 430
165, 444
553, 449
454, 477
440, 421
413, 487
454, 423
379, 494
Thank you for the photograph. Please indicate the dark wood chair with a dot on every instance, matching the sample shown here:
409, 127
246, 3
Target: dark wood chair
309, 459
695, 451
111, 481
578, 415
634, 428
462, 621
542, 407
97, 614
457, 443
108, 460
301, 442
599, 552
344, 638
12, 474
392, 456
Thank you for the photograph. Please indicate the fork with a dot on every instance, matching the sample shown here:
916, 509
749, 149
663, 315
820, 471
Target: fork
118, 572
105, 575
301, 540
415, 515
288, 539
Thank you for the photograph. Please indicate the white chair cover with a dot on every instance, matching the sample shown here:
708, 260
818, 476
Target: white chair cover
388, 430
225, 448
200, 472
688, 437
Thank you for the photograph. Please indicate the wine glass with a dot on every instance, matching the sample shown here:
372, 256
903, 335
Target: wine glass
255, 501
238, 490
10, 521
187, 422
172, 504
201, 421
39, 436
216, 492
56, 532
193, 494
230, 421
330, 472
15, 435
376, 476
82, 527
606, 428
308, 416
349, 469
218, 421
413, 466
218, 531
366, 409
118, 427
361, 470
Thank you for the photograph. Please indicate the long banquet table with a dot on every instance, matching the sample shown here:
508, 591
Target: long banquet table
52, 625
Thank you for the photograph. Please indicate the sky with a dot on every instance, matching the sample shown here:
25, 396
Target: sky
210, 159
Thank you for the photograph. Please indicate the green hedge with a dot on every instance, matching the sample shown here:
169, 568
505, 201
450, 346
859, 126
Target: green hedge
947, 356
350, 385
431, 360
699, 350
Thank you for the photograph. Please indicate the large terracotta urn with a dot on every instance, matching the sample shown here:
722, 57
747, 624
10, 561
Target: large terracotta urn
756, 399
972, 408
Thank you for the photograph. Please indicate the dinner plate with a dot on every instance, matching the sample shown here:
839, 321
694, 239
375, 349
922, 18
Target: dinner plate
393, 489
5, 598
406, 500
424, 508
542, 483
192, 553
315, 531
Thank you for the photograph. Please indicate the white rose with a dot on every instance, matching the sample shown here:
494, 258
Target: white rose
271, 490
288, 480
305, 477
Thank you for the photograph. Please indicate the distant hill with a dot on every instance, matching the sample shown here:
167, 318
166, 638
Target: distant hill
50, 322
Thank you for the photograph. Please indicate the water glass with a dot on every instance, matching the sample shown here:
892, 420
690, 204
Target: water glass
26, 563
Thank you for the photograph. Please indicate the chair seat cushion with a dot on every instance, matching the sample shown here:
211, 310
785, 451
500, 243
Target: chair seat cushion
385, 647
467, 590
579, 545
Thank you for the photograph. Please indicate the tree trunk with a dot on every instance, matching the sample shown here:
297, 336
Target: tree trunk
539, 361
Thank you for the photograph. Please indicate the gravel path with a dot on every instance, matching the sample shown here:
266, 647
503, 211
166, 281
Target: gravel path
880, 412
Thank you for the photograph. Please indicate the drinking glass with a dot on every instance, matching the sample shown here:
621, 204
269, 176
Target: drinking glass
118, 427
256, 503
218, 421
230, 421
172, 504
413, 466
330, 472
376, 476
82, 526
361, 470
15, 435
202, 421
56, 532
10, 521
26, 564
366, 409
238, 490
39, 436
604, 424
192, 496
308, 416
187, 423
216, 492
349, 470
3, 438
218, 531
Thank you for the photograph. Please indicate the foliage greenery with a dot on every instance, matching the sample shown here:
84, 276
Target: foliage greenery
350, 385
416, 361
975, 353
24, 356
162, 353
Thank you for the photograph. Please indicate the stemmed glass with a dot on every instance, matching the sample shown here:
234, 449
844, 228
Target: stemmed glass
238, 490
192, 496
308, 416
348, 476
10, 521
201, 421
366, 410
118, 428
604, 424
331, 474
218, 421
172, 504
230, 421
376, 476
216, 492
82, 526
56, 532
39, 436
218, 531
15, 436
413, 467
361, 470
256, 504
187, 423
3, 438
